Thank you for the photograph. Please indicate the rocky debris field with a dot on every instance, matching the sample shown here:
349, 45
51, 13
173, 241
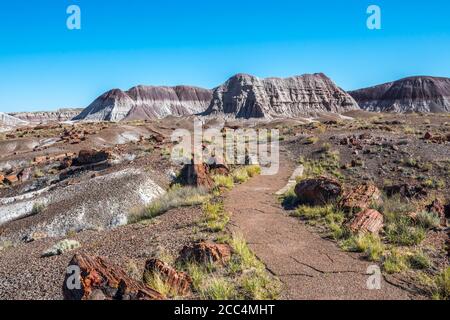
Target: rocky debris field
107, 198
379, 185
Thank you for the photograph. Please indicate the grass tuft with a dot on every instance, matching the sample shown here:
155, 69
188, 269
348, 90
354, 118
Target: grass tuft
367, 243
176, 197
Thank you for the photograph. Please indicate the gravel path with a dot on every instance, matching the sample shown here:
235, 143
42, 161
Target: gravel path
309, 266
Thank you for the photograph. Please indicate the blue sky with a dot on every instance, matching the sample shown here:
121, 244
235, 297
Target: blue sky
43, 65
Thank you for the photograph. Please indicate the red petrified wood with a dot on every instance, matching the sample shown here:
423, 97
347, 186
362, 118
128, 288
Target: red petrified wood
367, 221
100, 279
206, 251
180, 282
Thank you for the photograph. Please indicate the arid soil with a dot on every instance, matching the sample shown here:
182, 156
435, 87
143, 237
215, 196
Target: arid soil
309, 266
83, 181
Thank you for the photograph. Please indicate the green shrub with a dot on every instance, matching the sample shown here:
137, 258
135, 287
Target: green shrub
222, 181
367, 243
243, 258
253, 170
395, 262
257, 285
240, 175
419, 260
312, 213
428, 220
403, 232
215, 218
442, 285
156, 282
218, 289
37, 208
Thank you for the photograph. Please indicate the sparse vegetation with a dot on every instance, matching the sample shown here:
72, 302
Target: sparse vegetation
419, 260
215, 218
289, 200
37, 208
243, 277
217, 289
176, 197
441, 285
61, 247
5, 245
222, 181
329, 217
368, 244
428, 220
403, 232
156, 282
327, 164
240, 175
395, 261
311, 140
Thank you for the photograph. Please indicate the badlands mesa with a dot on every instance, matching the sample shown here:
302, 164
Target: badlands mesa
362, 181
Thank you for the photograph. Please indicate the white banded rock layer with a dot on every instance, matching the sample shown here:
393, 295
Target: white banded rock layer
7, 122
414, 94
246, 96
99, 203
147, 102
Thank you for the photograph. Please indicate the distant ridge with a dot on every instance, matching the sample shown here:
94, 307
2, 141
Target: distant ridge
412, 94
147, 102
59, 115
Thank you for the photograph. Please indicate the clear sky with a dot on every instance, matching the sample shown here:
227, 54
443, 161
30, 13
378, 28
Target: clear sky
43, 65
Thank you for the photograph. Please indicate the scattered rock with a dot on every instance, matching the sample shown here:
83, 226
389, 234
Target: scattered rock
428, 136
205, 252
61, 247
406, 191
25, 174
180, 282
11, 179
318, 191
360, 198
86, 157
367, 221
40, 159
101, 280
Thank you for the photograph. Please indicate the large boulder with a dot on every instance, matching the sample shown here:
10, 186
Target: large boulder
101, 280
318, 191
180, 282
367, 221
206, 252
360, 198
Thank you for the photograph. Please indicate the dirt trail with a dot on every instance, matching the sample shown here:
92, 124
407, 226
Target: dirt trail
309, 266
